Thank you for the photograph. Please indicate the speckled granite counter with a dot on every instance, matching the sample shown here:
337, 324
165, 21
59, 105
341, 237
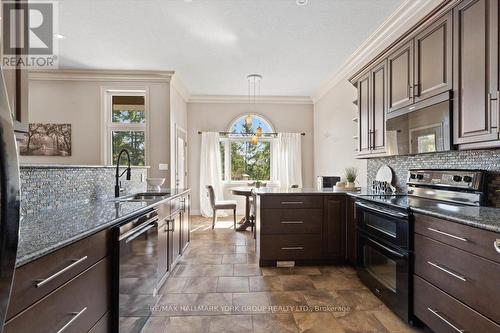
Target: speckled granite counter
49, 230
487, 218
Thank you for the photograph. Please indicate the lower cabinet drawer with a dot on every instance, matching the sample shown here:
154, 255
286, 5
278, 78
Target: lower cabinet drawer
290, 247
103, 325
469, 278
444, 314
40, 277
291, 221
75, 307
291, 201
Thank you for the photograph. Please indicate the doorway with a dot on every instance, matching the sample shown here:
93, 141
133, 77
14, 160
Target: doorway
180, 158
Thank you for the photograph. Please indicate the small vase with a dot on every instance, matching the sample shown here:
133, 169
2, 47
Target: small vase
350, 185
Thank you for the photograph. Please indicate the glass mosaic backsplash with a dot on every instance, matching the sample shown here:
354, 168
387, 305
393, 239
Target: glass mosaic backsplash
472, 159
56, 187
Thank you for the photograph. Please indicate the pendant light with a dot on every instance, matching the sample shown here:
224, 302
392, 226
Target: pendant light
253, 89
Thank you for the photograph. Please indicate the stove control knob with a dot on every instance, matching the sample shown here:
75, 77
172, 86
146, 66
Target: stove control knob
413, 176
467, 179
420, 177
457, 178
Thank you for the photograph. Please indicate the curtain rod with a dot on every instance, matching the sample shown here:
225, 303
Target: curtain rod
248, 134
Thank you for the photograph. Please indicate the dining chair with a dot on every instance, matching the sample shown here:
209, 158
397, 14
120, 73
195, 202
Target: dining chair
220, 205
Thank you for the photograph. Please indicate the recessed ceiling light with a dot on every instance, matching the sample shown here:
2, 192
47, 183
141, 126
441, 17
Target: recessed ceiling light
302, 2
59, 36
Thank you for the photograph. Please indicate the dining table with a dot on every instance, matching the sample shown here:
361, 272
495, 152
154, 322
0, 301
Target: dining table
247, 221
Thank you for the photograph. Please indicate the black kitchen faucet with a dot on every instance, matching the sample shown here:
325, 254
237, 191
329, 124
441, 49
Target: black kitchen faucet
118, 175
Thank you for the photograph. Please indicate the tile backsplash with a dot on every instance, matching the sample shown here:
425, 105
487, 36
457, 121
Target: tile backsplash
472, 159
56, 187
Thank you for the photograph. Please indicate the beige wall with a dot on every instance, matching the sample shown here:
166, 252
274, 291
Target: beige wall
78, 103
333, 133
178, 120
218, 116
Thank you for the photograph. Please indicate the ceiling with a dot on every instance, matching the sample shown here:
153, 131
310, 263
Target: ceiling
213, 44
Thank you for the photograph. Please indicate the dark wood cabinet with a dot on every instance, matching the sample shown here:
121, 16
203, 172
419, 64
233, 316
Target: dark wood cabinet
456, 276
185, 222
306, 229
476, 100
350, 230
364, 129
434, 59
400, 77
16, 84
378, 100
163, 234
334, 227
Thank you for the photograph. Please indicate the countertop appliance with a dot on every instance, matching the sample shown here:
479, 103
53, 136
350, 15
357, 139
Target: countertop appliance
327, 181
385, 228
9, 201
135, 272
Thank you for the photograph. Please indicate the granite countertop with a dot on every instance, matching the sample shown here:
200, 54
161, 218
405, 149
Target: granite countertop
487, 218
295, 191
46, 231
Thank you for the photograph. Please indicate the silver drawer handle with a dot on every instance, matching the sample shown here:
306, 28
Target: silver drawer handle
448, 271
75, 317
42, 282
440, 316
292, 222
293, 248
496, 244
447, 234
291, 202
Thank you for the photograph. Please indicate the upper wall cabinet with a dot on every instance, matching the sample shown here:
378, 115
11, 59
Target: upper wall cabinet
400, 69
372, 106
433, 59
476, 97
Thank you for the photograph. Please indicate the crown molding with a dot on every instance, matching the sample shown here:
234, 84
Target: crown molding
101, 75
181, 89
244, 99
401, 20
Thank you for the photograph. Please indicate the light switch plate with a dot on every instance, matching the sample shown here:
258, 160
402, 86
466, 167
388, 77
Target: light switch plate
163, 166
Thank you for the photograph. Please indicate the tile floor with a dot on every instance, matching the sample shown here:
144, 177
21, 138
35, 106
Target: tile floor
219, 287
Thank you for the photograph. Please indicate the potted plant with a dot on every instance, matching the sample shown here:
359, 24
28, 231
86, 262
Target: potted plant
350, 175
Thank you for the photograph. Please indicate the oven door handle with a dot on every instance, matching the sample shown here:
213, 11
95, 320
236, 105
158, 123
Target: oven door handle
385, 248
140, 232
373, 209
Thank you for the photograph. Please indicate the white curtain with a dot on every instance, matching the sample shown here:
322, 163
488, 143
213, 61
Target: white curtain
287, 159
210, 171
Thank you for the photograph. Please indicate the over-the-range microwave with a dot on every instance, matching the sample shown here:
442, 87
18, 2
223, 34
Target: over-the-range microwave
425, 130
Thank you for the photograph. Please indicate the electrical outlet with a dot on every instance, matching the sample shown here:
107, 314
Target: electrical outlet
163, 166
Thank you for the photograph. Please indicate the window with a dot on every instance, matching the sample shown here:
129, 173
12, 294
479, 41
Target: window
126, 126
243, 159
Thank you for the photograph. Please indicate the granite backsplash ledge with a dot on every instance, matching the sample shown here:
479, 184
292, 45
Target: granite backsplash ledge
488, 160
45, 187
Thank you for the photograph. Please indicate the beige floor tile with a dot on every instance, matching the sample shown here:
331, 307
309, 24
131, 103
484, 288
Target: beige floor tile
288, 301
359, 321
246, 270
317, 323
253, 302
188, 324
265, 283
275, 323
337, 282
230, 324
359, 300
174, 285
204, 284
237, 258
155, 325
233, 284
296, 282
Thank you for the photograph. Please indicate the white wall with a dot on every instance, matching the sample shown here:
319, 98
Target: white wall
78, 102
333, 133
218, 116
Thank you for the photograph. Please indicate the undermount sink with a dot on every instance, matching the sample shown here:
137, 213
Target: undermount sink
146, 196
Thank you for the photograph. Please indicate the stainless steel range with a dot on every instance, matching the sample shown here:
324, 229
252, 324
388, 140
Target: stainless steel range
385, 230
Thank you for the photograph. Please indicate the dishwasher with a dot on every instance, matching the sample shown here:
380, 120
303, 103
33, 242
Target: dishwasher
135, 272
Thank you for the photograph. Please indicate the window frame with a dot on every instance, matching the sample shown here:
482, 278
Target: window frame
227, 140
108, 126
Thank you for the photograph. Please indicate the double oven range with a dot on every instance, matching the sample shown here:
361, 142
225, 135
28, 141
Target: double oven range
385, 230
